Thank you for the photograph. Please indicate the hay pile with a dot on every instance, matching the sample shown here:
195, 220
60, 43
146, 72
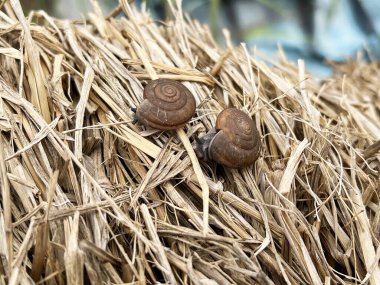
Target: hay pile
88, 197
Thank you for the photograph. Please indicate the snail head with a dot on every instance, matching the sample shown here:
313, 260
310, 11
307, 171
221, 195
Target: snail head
202, 144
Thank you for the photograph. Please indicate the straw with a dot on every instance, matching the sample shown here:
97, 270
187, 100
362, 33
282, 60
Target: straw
89, 197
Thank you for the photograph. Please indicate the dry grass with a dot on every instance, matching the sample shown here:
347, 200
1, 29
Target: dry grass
88, 197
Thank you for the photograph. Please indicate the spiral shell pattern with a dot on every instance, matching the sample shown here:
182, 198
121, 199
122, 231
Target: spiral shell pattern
237, 143
167, 105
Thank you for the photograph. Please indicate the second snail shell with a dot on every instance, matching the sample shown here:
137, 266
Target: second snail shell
167, 105
234, 142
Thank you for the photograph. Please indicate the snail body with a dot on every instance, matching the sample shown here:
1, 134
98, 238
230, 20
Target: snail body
167, 105
234, 142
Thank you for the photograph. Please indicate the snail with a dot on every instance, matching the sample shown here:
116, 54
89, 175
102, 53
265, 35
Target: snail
234, 142
167, 105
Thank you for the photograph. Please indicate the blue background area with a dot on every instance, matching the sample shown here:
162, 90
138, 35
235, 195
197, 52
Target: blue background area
313, 30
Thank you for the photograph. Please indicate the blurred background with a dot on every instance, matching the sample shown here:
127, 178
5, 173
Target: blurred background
315, 30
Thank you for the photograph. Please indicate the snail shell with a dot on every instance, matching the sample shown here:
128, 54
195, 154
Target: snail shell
167, 105
237, 141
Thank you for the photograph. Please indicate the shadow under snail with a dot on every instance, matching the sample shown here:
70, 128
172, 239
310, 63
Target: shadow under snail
234, 142
167, 105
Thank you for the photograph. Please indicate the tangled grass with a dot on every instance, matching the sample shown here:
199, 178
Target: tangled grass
88, 197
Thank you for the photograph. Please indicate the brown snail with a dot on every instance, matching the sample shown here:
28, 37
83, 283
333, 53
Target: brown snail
167, 105
234, 142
